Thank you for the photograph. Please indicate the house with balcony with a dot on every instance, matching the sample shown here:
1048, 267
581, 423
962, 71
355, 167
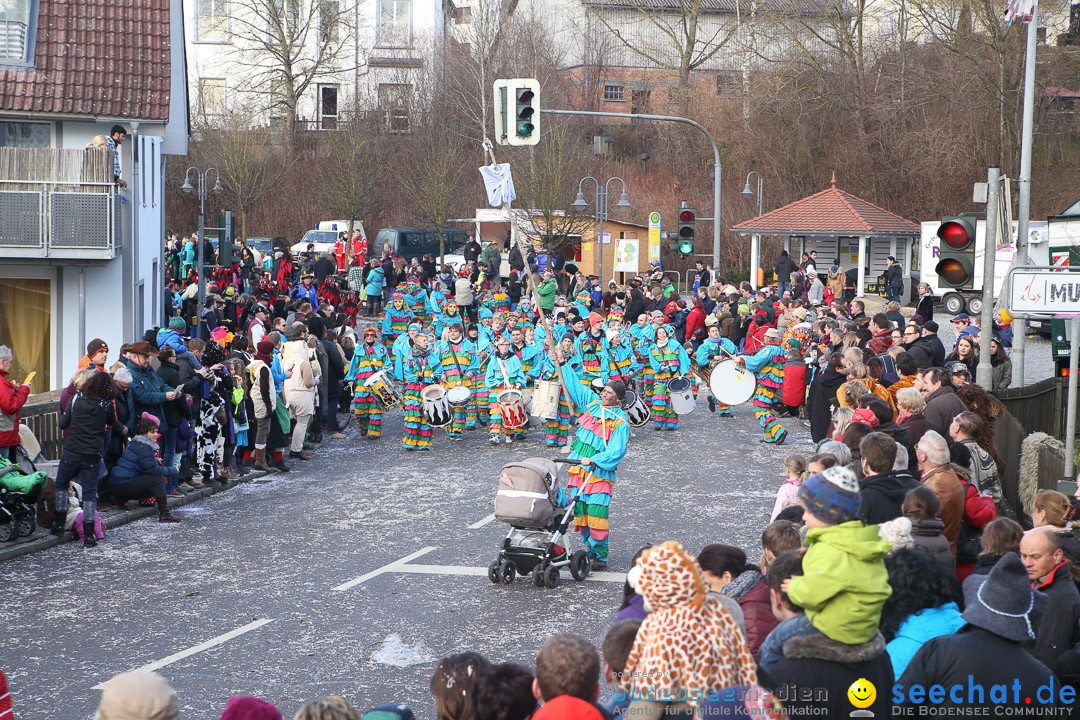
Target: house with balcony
80, 255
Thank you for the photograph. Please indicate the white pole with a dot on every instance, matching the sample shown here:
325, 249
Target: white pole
984, 373
860, 286
1070, 417
755, 259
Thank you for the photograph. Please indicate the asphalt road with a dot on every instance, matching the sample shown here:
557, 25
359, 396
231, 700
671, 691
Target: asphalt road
282, 589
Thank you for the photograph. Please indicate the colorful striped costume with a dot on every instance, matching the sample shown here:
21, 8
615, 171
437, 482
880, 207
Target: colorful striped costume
366, 361
456, 361
768, 365
669, 361
503, 374
643, 338
593, 352
529, 355
500, 301
419, 373
621, 364
557, 430
602, 435
478, 403
708, 350
396, 321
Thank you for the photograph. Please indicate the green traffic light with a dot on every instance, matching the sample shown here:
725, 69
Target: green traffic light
685, 248
525, 129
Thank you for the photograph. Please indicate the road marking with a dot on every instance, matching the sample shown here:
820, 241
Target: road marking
482, 523
385, 568
219, 640
461, 570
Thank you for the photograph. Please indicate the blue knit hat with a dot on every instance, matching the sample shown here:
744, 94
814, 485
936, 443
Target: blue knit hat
832, 496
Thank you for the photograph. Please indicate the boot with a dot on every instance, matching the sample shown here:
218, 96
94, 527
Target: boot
302, 455
57, 527
260, 461
164, 515
279, 462
89, 540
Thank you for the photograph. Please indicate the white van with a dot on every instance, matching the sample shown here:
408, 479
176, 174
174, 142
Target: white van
325, 234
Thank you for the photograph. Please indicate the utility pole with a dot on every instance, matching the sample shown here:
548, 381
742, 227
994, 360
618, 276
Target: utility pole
1024, 205
984, 373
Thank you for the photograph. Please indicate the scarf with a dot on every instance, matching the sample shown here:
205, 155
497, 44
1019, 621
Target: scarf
740, 586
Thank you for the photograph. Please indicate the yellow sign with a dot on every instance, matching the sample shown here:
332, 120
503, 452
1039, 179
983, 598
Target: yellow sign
654, 236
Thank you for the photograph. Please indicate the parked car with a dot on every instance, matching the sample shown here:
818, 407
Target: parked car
408, 243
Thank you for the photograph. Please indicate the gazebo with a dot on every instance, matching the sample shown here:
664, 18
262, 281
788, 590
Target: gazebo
838, 225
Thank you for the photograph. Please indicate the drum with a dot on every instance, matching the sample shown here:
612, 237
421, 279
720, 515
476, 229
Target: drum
380, 385
527, 399
458, 397
681, 390
512, 409
636, 409
436, 405
546, 399
597, 385
731, 383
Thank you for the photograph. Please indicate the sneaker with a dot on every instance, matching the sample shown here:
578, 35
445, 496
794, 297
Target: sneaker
186, 487
597, 565
338, 436
493, 440
177, 493
509, 440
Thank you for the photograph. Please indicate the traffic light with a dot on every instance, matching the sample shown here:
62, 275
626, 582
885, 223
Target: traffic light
956, 252
686, 231
517, 111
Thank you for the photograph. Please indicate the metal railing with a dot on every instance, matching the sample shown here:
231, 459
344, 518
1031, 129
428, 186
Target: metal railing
57, 219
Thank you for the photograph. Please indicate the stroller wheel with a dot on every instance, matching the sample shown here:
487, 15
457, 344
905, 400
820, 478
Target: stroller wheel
8, 531
25, 526
580, 565
495, 571
551, 577
509, 572
537, 575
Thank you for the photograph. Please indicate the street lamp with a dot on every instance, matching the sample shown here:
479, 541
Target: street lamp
750, 193
601, 212
201, 179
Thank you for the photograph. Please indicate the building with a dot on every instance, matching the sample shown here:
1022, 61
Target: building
336, 55
81, 257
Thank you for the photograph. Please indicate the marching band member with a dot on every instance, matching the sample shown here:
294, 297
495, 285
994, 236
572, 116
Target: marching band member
668, 360
527, 353
503, 373
558, 430
768, 365
642, 335
399, 352
593, 351
600, 444
478, 403
396, 318
447, 316
420, 370
621, 363
713, 346
369, 358
457, 362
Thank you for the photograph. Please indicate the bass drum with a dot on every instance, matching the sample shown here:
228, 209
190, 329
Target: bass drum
731, 383
637, 411
436, 405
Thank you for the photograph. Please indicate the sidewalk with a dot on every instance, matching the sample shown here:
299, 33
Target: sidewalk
42, 539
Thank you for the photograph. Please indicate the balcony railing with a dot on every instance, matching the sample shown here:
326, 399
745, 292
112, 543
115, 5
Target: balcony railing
59, 204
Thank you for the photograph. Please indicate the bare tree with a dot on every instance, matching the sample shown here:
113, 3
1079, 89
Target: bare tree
356, 158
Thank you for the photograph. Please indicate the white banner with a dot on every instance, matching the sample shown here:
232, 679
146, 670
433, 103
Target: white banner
627, 256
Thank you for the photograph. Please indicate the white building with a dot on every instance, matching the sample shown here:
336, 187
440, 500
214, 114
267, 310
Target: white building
79, 258
370, 54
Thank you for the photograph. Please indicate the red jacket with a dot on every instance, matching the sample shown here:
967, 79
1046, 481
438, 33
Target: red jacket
695, 324
12, 399
757, 612
794, 392
881, 342
5, 699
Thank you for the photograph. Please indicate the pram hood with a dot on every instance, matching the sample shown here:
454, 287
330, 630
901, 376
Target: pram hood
527, 493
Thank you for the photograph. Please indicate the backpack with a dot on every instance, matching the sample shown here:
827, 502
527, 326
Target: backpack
891, 375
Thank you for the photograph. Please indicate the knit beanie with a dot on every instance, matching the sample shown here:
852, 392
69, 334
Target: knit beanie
249, 708
177, 323
832, 495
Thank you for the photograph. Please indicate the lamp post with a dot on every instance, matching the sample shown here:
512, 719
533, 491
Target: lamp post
601, 212
755, 240
750, 193
201, 177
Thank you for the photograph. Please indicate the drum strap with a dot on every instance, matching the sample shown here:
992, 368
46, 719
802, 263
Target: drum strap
453, 354
502, 367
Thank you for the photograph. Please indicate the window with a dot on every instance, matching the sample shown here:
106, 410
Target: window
394, 102
395, 23
461, 15
639, 101
212, 95
613, 93
727, 83
283, 21
211, 20
329, 13
328, 107
413, 239
25, 314
18, 26
25, 134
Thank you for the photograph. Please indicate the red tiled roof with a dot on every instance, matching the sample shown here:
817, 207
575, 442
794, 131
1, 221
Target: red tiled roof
107, 58
830, 211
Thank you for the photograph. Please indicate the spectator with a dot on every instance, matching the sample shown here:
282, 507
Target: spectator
778, 537
933, 455
927, 348
300, 389
784, 267
922, 507
881, 328
1048, 570
139, 472
1000, 536
925, 604
881, 491
12, 399
567, 678
942, 404
821, 400
503, 692
1002, 365
138, 695
616, 648
453, 685
924, 312
964, 429
728, 574
117, 135
894, 279
97, 353
249, 708
633, 605
1050, 508
892, 311
795, 474
331, 707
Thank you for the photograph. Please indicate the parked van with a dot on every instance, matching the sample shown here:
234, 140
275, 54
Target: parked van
325, 234
408, 243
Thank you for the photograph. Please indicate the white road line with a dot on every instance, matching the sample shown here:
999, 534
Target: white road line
219, 640
461, 570
482, 523
385, 568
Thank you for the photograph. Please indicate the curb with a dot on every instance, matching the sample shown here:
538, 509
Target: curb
41, 539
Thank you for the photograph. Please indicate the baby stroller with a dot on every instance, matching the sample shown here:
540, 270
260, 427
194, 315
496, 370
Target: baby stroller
538, 512
20, 487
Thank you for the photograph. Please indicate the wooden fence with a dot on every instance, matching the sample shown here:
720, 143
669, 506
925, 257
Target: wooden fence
1039, 407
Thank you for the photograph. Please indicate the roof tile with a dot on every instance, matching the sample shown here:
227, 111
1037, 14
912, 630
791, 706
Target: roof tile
830, 211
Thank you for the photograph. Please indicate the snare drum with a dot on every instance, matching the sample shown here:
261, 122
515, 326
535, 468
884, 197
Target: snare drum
458, 397
436, 405
637, 411
380, 385
731, 383
681, 391
512, 409
546, 399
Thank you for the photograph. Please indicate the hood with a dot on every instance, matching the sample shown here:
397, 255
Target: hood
886, 484
931, 622
928, 528
667, 576
853, 538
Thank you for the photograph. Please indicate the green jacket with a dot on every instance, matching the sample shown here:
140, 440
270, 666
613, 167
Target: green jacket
547, 291
844, 581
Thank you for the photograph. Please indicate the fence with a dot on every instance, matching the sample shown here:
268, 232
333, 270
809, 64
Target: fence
42, 415
1039, 407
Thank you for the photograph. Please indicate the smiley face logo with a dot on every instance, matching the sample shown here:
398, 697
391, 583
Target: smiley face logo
862, 693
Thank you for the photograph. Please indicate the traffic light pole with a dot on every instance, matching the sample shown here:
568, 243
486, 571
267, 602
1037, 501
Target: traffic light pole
685, 121
984, 373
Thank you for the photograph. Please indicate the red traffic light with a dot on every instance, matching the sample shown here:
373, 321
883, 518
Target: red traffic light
686, 216
957, 234
525, 95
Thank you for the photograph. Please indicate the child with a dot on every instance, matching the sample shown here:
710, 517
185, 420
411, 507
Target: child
795, 470
778, 537
616, 648
170, 337
503, 692
567, 678
845, 582
139, 472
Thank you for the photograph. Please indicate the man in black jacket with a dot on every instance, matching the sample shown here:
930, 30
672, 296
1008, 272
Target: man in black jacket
881, 490
472, 249
927, 350
784, 267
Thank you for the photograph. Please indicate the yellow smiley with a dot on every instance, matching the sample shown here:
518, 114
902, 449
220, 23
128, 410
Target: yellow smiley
862, 693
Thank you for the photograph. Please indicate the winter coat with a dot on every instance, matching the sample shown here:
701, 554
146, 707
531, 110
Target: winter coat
894, 276
695, 325
919, 627
925, 309
794, 392
262, 384
987, 658
139, 459
12, 399
375, 278
463, 292
813, 666
882, 497
942, 406
821, 402
169, 372
943, 481
928, 352
784, 267
86, 420
844, 581
916, 426
335, 371
1002, 375
634, 610
1057, 630
927, 536
148, 393
757, 615
835, 280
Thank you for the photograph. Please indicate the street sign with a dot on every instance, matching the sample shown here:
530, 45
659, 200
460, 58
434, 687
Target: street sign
654, 235
1044, 290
